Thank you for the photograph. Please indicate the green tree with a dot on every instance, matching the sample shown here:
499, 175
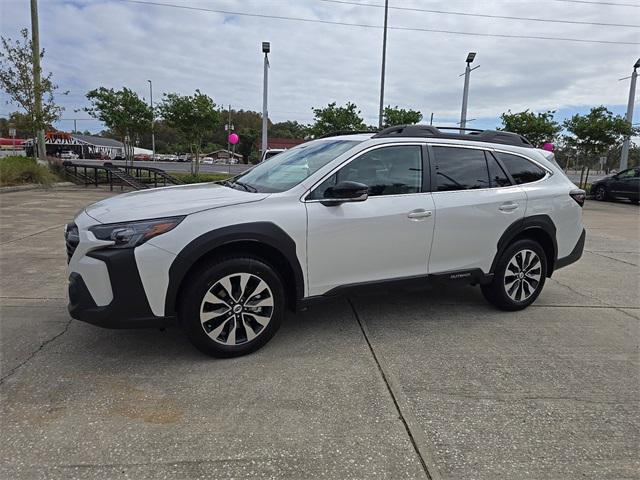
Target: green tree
595, 133
332, 119
16, 79
123, 112
20, 121
247, 143
193, 116
288, 129
399, 116
538, 128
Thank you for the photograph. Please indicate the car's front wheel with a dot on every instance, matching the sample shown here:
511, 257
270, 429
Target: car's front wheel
233, 307
600, 193
519, 276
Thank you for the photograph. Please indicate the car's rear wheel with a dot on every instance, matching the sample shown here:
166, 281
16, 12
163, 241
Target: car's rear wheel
233, 307
600, 193
519, 276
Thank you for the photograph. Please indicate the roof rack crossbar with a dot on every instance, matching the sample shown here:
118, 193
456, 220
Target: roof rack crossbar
476, 135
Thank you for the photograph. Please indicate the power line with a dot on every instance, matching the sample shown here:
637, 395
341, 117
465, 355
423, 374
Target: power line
588, 2
364, 25
482, 15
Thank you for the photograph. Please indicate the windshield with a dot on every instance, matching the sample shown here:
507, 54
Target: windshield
289, 168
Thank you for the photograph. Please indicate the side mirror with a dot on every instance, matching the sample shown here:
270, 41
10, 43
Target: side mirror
345, 192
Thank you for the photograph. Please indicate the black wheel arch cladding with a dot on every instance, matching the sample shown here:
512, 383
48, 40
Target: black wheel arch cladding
265, 235
530, 227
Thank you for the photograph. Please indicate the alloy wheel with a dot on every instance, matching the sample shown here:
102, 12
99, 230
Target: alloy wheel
600, 193
236, 309
522, 275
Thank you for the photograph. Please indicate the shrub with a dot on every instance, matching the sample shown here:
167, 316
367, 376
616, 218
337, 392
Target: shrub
200, 178
21, 170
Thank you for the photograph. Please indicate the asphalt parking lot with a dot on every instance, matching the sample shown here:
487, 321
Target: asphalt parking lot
429, 384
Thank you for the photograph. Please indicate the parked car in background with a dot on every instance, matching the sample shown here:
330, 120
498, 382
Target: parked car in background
69, 155
142, 157
625, 184
407, 206
207, 160
271, 152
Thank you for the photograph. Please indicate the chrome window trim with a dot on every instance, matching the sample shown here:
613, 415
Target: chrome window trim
303, 198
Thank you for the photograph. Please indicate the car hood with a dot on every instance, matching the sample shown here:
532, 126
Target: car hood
168, 202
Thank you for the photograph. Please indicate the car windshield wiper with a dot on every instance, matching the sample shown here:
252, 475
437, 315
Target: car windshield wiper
233, 183
246, 186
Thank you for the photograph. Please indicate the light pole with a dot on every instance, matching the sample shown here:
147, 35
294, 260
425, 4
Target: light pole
266, 48
153, 118
624, 158
465, 93
384, 63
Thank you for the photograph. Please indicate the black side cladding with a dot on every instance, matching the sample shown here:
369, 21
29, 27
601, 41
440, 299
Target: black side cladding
262, 233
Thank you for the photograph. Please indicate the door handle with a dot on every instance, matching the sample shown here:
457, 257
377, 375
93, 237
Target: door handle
417, 214
508, 207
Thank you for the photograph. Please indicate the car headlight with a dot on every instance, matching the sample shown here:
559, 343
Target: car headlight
132, 234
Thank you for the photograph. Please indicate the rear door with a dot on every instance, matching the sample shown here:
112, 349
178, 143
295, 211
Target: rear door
475, 202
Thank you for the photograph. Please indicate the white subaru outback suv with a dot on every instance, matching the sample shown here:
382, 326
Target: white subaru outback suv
408, 204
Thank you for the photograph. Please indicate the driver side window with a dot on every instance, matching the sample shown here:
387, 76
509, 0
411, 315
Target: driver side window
390, 170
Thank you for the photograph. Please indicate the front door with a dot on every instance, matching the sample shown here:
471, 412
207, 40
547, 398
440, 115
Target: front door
626, 184
387, 236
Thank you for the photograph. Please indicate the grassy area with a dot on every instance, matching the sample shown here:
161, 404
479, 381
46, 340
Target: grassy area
23, 170
200, 178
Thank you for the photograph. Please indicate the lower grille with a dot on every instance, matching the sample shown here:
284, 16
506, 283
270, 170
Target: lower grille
72, 239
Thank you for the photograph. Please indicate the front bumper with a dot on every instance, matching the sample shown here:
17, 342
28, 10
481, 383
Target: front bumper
129, 307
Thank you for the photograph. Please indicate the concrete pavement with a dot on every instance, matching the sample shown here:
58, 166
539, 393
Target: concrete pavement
409, 385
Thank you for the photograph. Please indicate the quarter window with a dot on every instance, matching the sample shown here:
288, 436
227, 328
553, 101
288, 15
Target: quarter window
496, 174
386, 171
521, 169
460, 169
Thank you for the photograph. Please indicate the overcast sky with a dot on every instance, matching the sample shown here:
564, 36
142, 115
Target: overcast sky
115, 43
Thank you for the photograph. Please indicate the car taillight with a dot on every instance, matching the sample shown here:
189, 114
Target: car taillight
579, 196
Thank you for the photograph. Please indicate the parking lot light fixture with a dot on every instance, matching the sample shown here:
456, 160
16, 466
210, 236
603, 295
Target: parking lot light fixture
465, 93
266, 48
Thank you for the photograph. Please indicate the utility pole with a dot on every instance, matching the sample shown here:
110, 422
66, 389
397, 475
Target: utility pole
624, 158
37, 81
153, 121
465, 92
227, 128
384, 63
266, 48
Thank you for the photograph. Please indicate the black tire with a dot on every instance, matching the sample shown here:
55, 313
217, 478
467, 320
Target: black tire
235, 337
600, 193
499, 292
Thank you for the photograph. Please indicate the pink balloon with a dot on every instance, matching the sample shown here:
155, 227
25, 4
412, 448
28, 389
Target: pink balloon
550, 147
234, 138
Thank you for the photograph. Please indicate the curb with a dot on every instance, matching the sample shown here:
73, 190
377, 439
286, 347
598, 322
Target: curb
34, 186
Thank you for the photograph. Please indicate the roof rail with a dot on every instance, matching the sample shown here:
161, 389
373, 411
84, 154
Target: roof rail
476, 135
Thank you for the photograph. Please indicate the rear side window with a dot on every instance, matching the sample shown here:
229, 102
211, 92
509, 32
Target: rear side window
521, 169
460, 169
